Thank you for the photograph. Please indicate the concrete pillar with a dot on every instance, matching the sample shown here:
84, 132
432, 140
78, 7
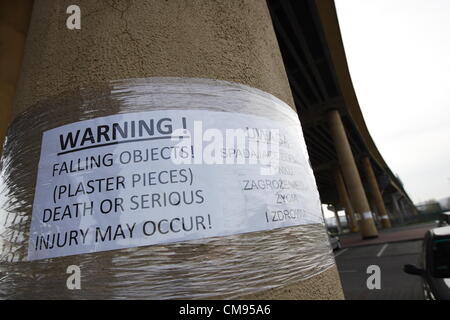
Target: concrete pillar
403, 208
397, 208
226, 40
14, 20
373, 209
390, 207
351, 175
345, 201
387, 205
376, 194
338, 220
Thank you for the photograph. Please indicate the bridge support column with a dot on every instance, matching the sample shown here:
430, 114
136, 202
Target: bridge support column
14, 20
405, 211
397, 208
351, 175
226, 40
338, 220
376, 194
345, 201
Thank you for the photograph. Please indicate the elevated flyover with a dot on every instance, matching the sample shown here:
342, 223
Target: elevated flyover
310, 41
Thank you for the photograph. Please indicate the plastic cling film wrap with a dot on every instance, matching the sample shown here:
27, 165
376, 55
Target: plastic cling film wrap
367, 215
259, 230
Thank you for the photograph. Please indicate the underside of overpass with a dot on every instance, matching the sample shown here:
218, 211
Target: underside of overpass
310, 41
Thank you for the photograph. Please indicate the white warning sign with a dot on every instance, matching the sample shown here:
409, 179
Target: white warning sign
163, 176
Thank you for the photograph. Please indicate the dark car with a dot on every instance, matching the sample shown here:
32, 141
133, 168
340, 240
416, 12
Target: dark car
444, 219
434, 264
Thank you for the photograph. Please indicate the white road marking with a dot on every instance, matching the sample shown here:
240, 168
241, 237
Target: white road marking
382, 250
340, 252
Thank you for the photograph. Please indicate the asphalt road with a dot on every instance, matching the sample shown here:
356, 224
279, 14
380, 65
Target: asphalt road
395, 284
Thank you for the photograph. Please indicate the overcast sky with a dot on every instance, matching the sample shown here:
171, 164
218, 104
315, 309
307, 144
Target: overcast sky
398, 53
